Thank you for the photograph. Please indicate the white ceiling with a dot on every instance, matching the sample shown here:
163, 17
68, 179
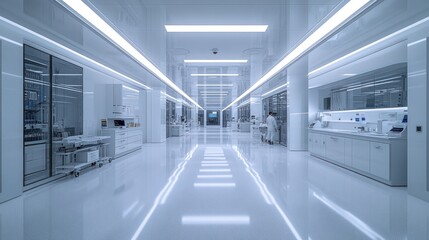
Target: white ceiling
142, 21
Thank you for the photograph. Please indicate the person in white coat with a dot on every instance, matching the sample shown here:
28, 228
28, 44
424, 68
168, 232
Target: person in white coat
271, 128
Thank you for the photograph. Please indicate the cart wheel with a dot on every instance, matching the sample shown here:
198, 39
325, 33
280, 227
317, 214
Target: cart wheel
93, 164
110, 160
100, 164
76, 174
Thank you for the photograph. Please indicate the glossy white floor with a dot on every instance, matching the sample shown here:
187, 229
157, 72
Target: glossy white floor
215, 185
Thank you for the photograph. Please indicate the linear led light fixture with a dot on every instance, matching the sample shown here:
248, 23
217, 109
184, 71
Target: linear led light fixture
203, 92
424, 20
85, 12
216, 61
215, 75
214, 85
275, 89
341, 17
48, 40
216, 28
131, 89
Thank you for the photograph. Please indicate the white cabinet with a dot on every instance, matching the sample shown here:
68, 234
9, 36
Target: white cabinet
35, 158
334, 148
121, 101
123, 141
360, 154
319, 144
348, 154
316, 144
310, 142
383, 159
380, 160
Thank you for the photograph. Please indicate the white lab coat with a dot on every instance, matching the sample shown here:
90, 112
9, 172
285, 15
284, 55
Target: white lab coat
271, 127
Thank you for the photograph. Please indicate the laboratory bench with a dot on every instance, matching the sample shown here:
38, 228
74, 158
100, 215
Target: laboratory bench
377, 156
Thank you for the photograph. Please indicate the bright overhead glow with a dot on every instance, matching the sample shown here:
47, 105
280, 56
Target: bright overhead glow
349, 74
209, 185
213, 92
215, 75
215, 61
216, 220
337, 20
102, 26
216, 28
50, 41
214, 85
131, 89
275, 89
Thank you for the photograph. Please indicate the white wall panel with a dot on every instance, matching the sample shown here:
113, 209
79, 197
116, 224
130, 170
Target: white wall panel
11, 125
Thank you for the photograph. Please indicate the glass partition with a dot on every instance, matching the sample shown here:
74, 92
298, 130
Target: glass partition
377, 89
53, 109
37, 108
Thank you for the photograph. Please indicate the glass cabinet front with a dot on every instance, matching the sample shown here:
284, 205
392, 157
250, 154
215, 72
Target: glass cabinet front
37, 95
53, 109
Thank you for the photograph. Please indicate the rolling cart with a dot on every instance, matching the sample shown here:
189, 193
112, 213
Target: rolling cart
80, 152
263, 131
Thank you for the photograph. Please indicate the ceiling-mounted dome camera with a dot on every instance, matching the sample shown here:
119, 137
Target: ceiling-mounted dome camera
215, 50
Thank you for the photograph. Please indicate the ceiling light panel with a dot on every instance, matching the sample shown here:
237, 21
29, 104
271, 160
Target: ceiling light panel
214, 85
215, 61
216, 28
215, 75
341, 17
82, 10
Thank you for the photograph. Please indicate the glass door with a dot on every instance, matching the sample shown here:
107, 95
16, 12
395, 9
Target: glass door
282, 117
37, 95
67, 104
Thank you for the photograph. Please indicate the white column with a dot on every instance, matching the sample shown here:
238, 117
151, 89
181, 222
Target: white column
156, 116
11, 124
297, 112
418, 166
255, 74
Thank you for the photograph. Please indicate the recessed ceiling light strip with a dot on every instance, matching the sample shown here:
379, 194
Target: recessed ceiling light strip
275, 89
216, 28
215, 61
341, 17
82, 10
215, 75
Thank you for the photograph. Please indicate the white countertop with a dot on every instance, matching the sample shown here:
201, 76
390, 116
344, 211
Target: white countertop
356, 133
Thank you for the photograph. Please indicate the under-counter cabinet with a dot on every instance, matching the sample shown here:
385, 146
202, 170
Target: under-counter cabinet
380, 158
334, 148
360, 155
123, 141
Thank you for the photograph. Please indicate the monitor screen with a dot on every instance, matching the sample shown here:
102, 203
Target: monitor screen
119, 123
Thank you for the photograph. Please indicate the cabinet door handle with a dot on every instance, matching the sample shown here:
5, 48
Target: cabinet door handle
378, 147
334, 138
